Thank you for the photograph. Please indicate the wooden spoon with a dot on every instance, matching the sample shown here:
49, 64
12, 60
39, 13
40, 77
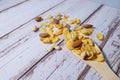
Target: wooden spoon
101, 67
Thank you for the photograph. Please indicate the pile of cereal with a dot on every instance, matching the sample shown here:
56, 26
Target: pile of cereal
76, 39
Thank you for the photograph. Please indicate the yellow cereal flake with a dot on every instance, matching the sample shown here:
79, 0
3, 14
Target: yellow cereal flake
49, 16
50, 31
99, 58
91, 55
78, 52
71, 22
54, 39
87, 31
43, 24
65, 18
58, 32
50, 26
77, 34
77, 28
66, 32
59, 26
69, 44
99, 36
77, 20
90, 42
42, 29
45, 40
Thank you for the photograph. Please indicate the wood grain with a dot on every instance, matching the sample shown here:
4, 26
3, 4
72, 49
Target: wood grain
7, 4
34, 61
113, 50
97, 24
22, 53
62, 61
19, 15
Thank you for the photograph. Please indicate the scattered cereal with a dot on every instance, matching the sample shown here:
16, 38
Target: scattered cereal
76, 40
99, 36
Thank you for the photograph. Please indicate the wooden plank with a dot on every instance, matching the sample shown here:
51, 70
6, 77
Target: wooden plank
97, 23
7, 4
16, 38
108, 30
56, 60
16, 17
61, 65
93, 75
112, 50
24, 51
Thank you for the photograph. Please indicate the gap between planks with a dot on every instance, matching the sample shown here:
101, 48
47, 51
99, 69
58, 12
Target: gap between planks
48, 54
112, 27
23, 25
30, 20
102, 47
13, 6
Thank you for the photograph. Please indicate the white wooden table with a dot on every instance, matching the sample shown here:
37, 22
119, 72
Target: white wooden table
24, 57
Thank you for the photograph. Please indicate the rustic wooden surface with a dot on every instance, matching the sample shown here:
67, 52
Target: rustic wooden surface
24, 57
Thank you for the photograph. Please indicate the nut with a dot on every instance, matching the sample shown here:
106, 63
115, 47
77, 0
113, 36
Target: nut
56, 21
87, 25
77, 43
57, 47
44, 35
50, 48
85, 54
38, 19
35, 28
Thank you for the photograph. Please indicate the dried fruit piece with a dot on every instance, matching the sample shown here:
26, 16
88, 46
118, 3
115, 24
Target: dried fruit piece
99, 36
44, 35
38, 19
76, 44
35, 28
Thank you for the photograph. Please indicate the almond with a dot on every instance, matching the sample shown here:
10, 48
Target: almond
38, 19
43, 35
56, 21
87, 25
77, 43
